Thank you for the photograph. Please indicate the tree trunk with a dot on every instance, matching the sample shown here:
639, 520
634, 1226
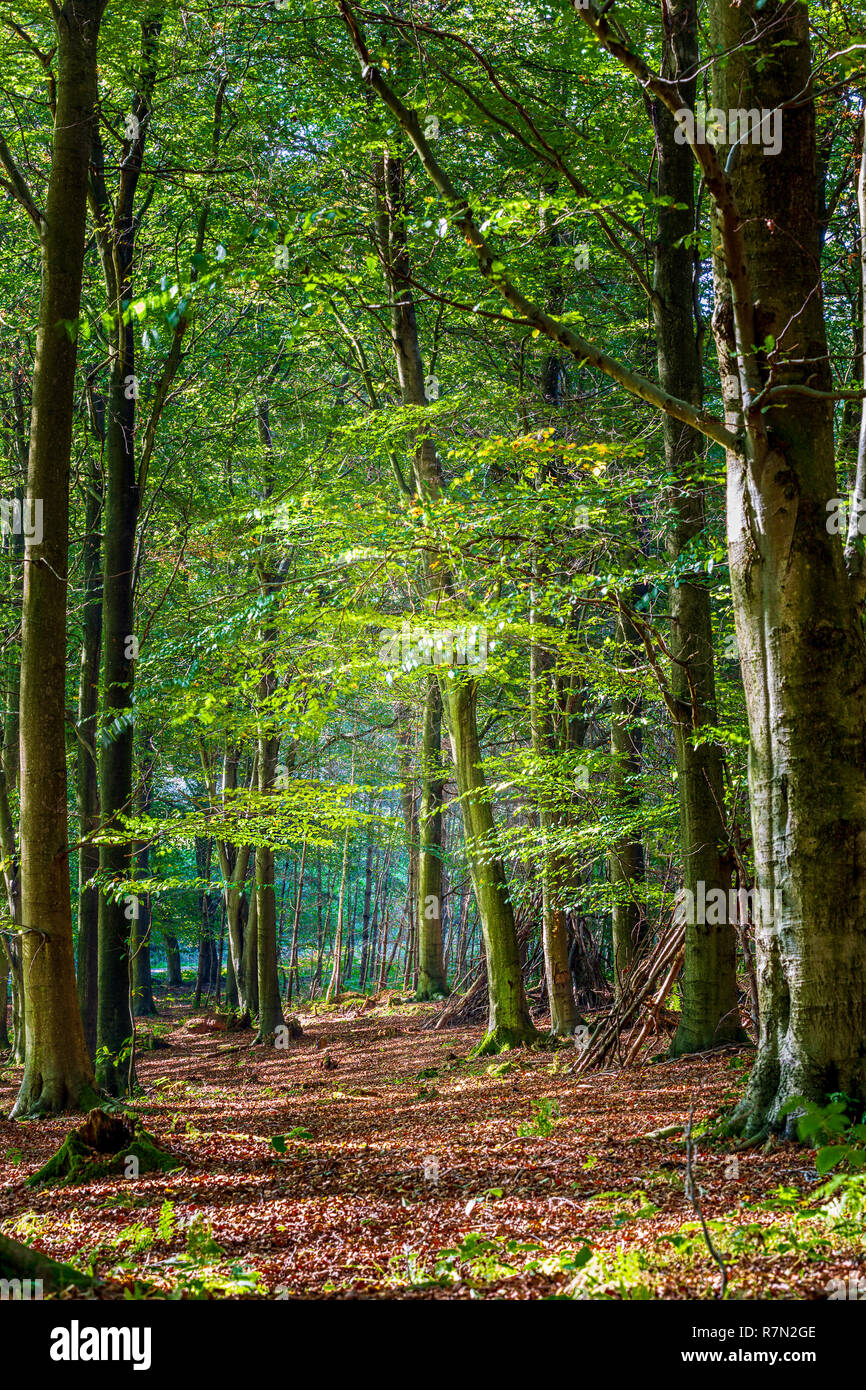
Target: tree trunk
116, 231
270, 1007
431, 975
294, 972
365, 920
628, 923
4, 998
510, 1024
798, 612
143, 1005
87, 788
554, 878
248, 971
336, 982
173, 974
57, 1073
710, 1015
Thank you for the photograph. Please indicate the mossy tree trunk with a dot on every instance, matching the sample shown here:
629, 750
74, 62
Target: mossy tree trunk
13, 546
4, 997
798, 608
57, 1073
10, 945
86, 757
510, 1024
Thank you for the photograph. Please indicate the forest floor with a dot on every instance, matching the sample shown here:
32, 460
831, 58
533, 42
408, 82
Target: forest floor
301, 1174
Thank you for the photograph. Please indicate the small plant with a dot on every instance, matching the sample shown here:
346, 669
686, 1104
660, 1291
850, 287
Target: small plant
839, 1139
166, 1223
607, 1276
544, 1112
279, 1142
200, 1243
483, 1259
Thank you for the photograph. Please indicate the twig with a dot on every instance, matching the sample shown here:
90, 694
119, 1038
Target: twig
692, 1196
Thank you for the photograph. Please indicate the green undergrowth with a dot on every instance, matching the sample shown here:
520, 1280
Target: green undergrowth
817, 1227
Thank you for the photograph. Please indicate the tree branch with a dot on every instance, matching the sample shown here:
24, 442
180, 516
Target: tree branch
18, 186
492, 269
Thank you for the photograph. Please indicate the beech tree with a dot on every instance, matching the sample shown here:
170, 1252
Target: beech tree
794, 595
57, 1072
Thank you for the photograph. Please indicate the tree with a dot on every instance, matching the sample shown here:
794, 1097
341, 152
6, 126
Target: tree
793, 596
431, 968
57, 1072
710, 1015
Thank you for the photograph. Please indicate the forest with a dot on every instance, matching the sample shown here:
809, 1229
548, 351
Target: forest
432, 652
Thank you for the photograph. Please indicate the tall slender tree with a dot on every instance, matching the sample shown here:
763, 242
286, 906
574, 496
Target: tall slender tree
57, 1071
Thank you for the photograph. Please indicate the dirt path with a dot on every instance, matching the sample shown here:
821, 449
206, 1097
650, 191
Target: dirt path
346, 1209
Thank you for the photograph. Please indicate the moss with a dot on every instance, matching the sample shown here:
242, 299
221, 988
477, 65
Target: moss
21, 1262
503, 1039
100, 1147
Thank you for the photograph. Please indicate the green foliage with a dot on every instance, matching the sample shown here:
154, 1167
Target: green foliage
541, 1126
832, 1122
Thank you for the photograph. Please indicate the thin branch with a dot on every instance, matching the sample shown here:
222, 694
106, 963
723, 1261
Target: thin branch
18, 186
493, 270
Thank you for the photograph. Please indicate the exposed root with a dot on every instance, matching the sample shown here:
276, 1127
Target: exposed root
504, 1039
21, 1262
42, 1095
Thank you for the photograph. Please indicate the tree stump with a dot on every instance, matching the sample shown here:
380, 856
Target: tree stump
103, 1145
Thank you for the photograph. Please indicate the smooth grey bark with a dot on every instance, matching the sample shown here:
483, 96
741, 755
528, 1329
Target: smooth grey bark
798, 612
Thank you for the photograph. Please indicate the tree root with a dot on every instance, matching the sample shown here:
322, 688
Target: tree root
21, 1262
41, 1096
504, 1039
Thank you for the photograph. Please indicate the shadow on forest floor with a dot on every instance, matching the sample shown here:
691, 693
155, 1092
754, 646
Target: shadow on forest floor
341, 1207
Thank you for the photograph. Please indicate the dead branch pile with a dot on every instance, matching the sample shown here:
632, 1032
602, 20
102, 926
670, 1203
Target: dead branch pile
591, 988
640, 1007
